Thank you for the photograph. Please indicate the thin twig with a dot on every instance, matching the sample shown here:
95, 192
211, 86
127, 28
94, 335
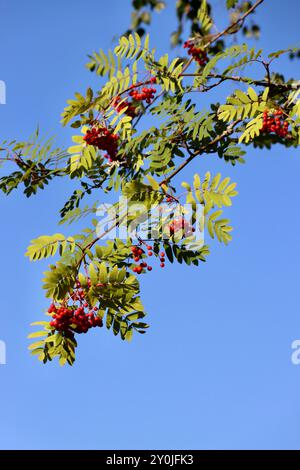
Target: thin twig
241, 20
228, 131
263, 83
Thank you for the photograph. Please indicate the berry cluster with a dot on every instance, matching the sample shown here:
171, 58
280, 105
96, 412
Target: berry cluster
130, 111
181, 224
138, 252
103, 139
145, 93
152, 80
198, 54
78, 320
275, 122
78, 317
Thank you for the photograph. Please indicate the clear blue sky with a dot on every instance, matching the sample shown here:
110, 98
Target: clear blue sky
214, 370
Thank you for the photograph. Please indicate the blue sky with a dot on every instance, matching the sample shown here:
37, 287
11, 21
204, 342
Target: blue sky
214, 371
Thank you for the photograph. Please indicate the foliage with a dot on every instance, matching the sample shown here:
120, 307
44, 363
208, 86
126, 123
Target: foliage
115, 149
188, 12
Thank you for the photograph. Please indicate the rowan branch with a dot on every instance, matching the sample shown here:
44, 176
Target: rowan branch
249, 81
240, 20
230, 129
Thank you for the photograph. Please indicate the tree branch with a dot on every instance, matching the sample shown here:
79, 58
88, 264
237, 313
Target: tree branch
263, 83
228, 131
241, 20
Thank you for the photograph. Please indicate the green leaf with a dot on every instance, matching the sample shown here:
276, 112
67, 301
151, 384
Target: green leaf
231, 3
46, 246
37, 334
103, 273
93, 274
252, 94
265, 94
153, 183
128, 335
36, 345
